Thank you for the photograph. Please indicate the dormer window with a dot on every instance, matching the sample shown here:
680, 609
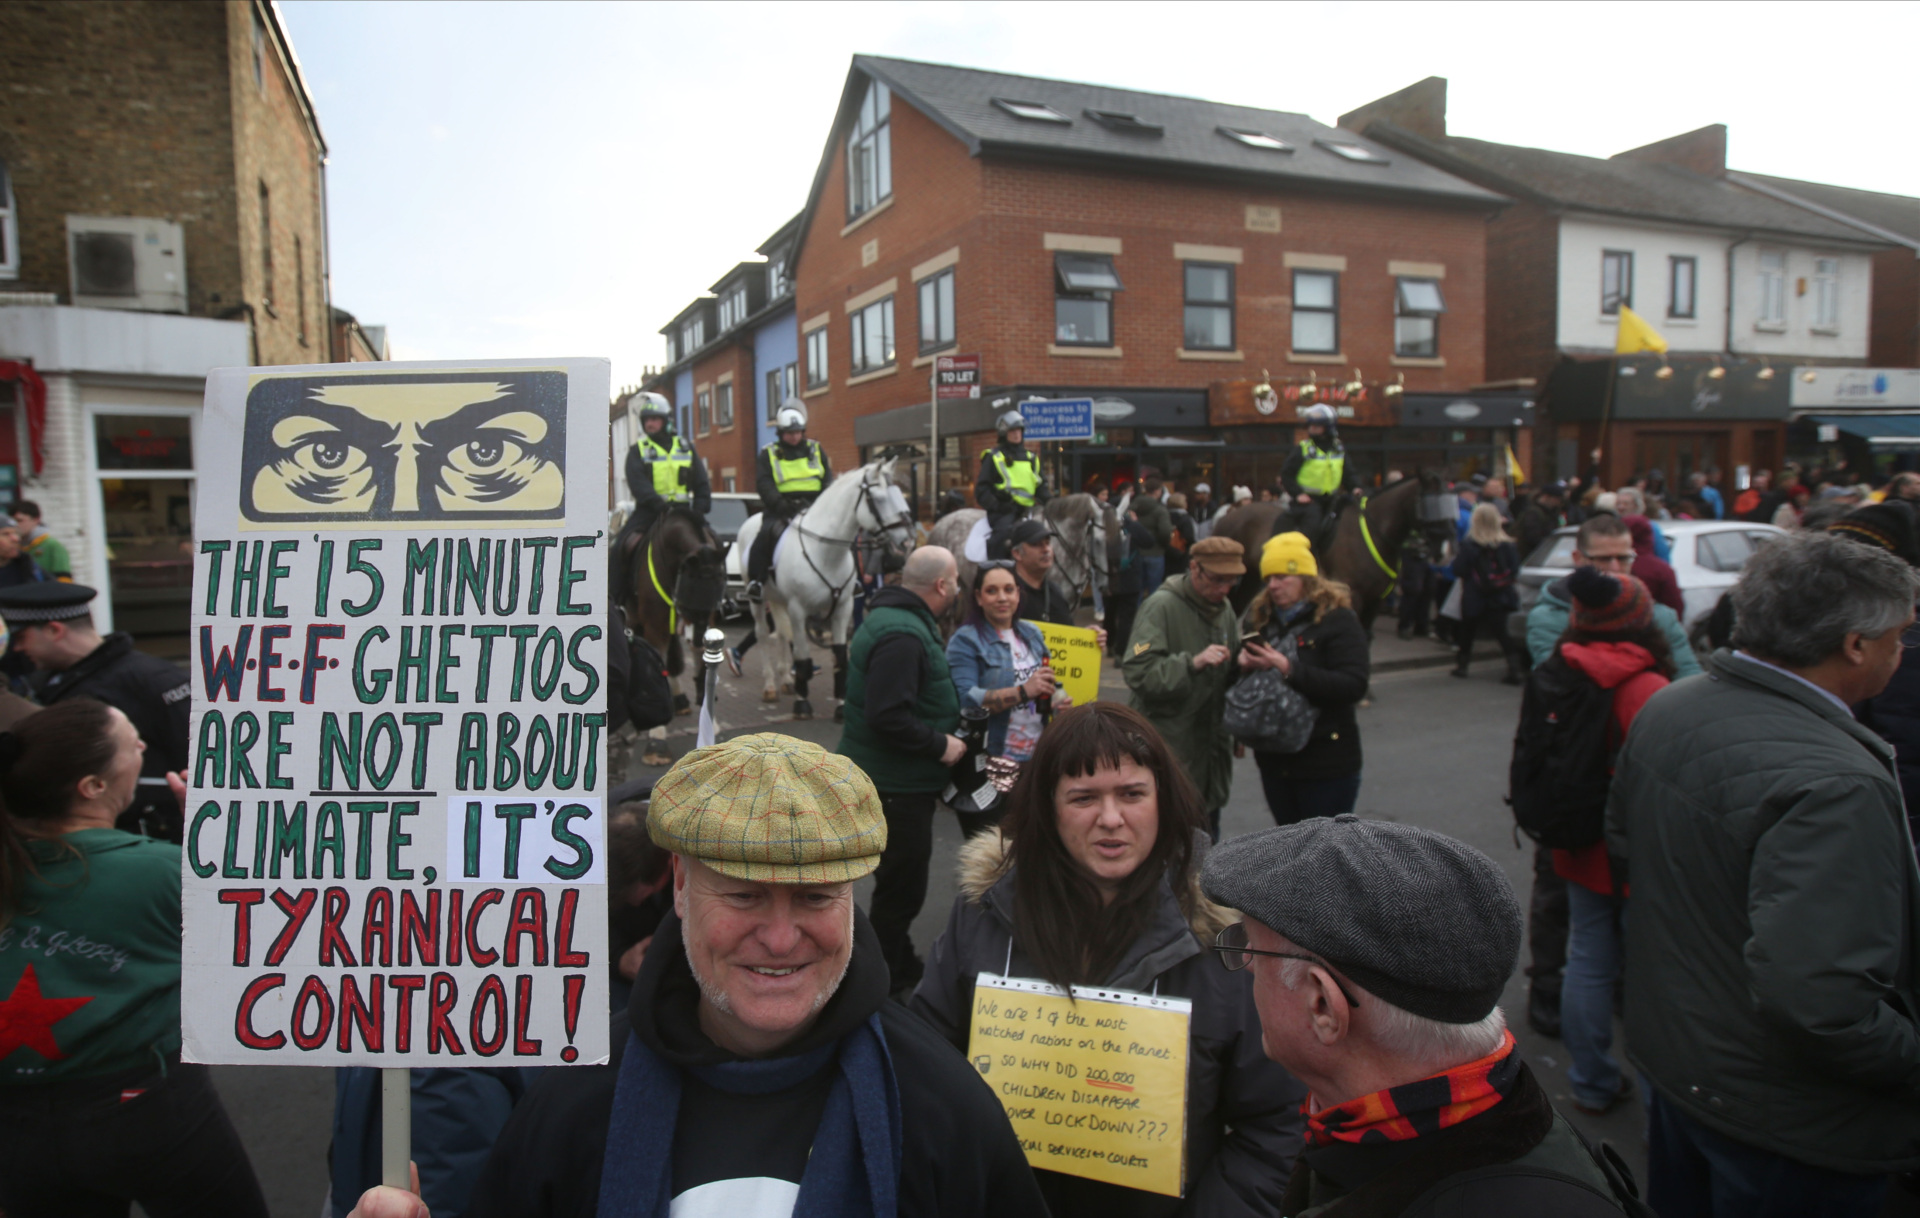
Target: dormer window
1130, 124
693, 336
1352, 152
1256, 139
776, 276
1035, 112
733, 308
870, 152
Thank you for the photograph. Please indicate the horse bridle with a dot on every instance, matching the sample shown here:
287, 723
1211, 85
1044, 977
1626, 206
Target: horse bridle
867, 497
902, 522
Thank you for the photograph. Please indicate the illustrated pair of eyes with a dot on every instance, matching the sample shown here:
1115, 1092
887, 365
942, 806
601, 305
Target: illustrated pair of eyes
324, 447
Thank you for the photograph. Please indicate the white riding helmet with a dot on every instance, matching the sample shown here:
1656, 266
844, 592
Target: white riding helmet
792, 416
1320, 413
1013, 420
653, 404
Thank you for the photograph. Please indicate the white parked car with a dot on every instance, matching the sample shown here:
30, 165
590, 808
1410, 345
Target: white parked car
1708, 556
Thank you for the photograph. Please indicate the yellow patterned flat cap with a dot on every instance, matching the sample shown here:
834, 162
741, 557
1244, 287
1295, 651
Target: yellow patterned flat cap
770, 808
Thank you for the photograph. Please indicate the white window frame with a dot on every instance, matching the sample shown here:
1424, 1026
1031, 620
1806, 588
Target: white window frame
937, 306
1333, 311
9, 228
1403, 310
1826, 295
776, 277
870, 151
96, 497
733, 308
703, 411
819, 369
723, 406
859, 359
693, 335
1771, 281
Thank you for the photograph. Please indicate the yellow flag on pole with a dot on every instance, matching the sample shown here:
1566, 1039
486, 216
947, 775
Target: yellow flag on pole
1518, 475
1635, 334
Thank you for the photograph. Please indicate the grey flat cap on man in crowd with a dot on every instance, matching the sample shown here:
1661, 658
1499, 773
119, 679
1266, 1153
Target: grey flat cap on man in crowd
1426, 922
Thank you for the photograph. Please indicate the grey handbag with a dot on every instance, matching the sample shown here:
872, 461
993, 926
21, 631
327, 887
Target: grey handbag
1268, 715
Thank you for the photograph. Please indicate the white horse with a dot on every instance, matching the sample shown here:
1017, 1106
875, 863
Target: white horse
814, 571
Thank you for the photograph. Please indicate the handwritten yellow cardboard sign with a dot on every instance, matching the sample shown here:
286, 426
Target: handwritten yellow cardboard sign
1076, 660
1096, 1086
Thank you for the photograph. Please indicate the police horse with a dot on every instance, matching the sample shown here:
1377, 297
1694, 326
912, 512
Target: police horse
674, 578
1364, 547
814, 572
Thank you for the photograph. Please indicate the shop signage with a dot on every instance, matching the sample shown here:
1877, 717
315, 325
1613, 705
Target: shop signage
1058, 418
395, 851
1826, 388
1466, 410
1232, 403
956, 376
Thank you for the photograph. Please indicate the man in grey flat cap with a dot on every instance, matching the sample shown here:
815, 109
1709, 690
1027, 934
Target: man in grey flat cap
1378, 953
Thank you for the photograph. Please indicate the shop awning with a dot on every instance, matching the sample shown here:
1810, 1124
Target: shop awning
1879, 430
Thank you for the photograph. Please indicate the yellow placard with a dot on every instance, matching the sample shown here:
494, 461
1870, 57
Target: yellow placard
1095, 1086
1076, 659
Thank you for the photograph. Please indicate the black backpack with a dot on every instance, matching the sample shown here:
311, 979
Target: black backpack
1562, 763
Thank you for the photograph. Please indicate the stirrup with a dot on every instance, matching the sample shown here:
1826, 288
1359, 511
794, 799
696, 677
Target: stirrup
754, 590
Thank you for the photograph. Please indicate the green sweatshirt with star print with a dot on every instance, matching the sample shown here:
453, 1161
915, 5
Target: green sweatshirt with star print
90, 959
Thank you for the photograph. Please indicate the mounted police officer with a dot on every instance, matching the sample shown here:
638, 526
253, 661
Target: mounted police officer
790, 473
1315, 475
1009, 485
662, 469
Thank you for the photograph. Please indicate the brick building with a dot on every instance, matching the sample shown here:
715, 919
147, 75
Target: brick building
162, 213
1743, 284
731, 361
1162, 255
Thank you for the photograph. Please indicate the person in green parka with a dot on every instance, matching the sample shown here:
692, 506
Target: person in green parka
96, 1108
1180, 660
901, 712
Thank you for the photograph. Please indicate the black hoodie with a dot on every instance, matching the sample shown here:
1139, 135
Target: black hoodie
958, 1156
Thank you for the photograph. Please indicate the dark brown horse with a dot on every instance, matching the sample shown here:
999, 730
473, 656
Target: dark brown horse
674, 580
1391, 515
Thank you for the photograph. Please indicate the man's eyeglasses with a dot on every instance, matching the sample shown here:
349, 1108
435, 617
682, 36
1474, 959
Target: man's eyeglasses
1235, 955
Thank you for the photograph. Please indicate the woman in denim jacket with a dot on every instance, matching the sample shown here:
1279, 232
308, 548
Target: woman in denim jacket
997, 664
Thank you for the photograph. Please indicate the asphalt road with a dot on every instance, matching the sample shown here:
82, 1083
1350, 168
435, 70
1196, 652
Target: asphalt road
1437, 751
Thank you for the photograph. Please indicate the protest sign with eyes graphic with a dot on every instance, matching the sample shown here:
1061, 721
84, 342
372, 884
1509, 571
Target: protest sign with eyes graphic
474, 449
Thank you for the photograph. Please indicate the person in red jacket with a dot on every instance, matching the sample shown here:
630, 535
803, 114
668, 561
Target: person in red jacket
1612, 641
1652, 570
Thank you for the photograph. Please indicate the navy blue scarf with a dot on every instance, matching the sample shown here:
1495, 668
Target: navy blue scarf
852, 1172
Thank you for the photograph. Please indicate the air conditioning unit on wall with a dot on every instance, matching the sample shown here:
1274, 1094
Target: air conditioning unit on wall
127, 262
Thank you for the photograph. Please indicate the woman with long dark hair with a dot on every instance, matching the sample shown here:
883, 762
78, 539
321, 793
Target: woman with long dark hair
1093, 879
96, 1108
999, 665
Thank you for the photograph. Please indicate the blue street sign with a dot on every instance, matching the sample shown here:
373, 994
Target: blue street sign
1059, 419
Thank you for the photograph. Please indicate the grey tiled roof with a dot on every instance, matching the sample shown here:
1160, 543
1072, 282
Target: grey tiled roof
1898, 215
1617, 186
962, 101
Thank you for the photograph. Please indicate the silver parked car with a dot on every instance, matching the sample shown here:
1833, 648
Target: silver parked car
1708, 556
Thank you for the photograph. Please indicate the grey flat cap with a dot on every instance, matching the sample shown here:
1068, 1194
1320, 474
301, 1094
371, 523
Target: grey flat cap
1426, 922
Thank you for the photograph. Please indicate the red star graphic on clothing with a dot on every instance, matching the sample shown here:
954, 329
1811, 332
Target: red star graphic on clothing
27, 1019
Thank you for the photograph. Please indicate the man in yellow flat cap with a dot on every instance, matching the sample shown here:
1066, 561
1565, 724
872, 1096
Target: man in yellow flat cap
759, 1069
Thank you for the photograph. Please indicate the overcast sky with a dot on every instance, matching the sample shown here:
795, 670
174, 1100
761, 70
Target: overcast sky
561, 179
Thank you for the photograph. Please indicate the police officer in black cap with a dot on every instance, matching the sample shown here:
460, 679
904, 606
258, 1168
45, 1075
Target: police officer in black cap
53, 627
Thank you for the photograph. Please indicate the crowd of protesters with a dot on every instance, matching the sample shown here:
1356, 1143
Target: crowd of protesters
1737, 856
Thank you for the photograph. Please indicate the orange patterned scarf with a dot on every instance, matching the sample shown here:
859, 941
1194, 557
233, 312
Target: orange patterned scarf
1427, 1106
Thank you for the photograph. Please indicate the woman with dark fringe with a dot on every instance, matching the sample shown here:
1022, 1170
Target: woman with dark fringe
1093, 880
